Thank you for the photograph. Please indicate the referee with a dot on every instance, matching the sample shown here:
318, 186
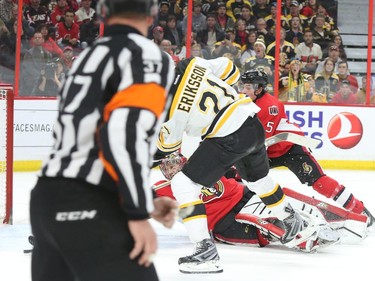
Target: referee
90, 207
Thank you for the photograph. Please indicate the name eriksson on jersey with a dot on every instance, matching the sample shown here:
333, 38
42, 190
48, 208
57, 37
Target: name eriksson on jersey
191, 88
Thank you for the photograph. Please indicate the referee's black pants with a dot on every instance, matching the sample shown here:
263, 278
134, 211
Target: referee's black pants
81, 234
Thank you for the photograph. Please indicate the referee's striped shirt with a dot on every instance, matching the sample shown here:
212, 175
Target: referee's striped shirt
111, 107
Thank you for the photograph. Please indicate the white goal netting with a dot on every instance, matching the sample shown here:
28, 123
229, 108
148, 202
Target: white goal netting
5, 198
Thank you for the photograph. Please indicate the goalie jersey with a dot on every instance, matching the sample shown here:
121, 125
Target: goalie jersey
205, 104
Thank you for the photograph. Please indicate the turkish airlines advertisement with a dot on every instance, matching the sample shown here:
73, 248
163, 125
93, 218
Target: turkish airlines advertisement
345, 133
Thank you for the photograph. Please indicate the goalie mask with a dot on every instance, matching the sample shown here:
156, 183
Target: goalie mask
172, 164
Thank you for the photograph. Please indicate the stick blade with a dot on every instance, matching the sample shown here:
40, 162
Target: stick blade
293, 138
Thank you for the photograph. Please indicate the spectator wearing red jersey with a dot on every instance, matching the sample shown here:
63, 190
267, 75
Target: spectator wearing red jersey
310, 9
58, 14
345, 94
49, 44
343, 74
68, 31
73, 5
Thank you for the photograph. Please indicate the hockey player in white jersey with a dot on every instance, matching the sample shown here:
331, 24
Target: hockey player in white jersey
205, 105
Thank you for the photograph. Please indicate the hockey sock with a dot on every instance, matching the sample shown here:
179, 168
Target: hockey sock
330, 188
187, 193
271, 195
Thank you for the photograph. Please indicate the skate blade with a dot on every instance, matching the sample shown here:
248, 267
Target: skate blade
201, 267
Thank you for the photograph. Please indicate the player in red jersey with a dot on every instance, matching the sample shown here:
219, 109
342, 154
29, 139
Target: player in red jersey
295, 157
235, 215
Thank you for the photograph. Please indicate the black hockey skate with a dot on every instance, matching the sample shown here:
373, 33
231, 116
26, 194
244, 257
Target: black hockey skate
205, 259
371, 218
297, 230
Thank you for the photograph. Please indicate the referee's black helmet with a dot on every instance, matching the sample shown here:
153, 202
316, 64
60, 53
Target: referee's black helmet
108, 8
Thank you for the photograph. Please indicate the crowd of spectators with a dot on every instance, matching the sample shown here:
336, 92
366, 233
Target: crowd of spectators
53, 33
312, 65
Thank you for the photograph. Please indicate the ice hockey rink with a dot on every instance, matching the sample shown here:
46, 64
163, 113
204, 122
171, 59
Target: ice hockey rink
338, 262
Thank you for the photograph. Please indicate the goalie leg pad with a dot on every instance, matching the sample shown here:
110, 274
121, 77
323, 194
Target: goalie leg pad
351, 226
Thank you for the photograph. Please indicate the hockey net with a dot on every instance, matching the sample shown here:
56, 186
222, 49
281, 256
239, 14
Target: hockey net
6, 153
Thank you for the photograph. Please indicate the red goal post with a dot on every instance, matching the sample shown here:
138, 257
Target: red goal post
6, 152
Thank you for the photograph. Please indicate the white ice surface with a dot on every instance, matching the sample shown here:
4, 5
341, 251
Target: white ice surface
339, 262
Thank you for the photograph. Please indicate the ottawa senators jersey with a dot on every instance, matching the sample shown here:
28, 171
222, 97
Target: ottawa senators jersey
218, 200
204, 103
274, 121
65, 33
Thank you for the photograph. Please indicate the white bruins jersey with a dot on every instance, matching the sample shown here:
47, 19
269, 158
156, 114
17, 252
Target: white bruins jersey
205, 104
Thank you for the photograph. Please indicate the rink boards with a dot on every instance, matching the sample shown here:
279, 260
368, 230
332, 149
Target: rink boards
346, 133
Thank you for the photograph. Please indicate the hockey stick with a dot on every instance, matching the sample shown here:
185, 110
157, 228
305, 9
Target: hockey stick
293, 138
285, 136
161, 185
